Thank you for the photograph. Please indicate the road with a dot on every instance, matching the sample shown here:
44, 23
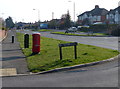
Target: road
105, 42
102, 75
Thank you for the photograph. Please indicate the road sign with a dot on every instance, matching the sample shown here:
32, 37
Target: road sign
68, 44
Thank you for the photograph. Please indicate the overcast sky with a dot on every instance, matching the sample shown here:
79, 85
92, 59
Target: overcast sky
22, 10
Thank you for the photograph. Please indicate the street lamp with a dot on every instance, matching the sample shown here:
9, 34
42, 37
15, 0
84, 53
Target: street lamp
38, 17
73, 11
38, 14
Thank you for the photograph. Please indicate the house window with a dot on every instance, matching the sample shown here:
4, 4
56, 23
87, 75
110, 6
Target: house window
98, 18
80, 18
94, 18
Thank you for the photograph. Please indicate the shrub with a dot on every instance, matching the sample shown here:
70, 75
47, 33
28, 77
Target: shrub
116, 32
99, 28
3, 28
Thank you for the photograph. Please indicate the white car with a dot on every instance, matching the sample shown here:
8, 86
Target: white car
79, 27
72, 29
97, 23
85, 26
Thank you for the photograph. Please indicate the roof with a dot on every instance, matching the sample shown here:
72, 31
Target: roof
87, 12
96, 11
114, 10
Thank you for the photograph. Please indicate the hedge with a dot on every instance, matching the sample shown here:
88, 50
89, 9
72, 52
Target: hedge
99, 28
116, 32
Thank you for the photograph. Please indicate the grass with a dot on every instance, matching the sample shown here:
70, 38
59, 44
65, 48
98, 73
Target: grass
100, 34
44, 30
73, 34
49, 55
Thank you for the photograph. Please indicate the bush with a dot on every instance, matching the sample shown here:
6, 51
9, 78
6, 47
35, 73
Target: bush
3, 28
116, 32
99, 28
94, 28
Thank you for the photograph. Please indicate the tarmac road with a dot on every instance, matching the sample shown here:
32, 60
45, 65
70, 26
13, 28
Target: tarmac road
103, 75
105, 42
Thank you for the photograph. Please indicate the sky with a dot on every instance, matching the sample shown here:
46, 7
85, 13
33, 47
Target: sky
22, 10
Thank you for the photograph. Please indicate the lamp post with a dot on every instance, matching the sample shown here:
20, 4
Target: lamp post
38, 17
38, 14
73, 11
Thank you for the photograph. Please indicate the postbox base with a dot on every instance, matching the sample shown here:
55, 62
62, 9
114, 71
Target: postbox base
34, 53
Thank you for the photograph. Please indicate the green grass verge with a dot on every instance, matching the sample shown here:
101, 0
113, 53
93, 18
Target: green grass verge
44, 30
100, 34
73, 34
49, 56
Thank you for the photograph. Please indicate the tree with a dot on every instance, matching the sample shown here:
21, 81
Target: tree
65, 21
116, 32
9, 22
2, 24
52, 24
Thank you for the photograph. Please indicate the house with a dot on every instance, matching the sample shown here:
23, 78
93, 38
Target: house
113, 16
93, 16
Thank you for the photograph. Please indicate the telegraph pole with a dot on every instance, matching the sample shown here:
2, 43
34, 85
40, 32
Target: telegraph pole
52, 15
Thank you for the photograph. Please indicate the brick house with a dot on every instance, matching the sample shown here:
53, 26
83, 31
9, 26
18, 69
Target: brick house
95, 15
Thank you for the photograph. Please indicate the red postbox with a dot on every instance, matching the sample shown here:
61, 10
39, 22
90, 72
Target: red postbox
36, 43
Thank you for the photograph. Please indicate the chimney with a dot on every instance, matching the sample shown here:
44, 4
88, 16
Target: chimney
96, 6
111, 9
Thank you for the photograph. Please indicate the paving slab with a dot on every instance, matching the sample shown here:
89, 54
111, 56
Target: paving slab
8, 72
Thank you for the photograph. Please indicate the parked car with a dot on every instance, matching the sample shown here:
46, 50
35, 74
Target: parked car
84, 26
97, 23
72, 29
79, 27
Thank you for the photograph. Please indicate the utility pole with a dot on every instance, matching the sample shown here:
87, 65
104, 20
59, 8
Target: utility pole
52, 15
38, 14
38, 17
73, 11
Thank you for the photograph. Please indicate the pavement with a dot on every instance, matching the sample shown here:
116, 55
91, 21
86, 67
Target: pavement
13, 60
